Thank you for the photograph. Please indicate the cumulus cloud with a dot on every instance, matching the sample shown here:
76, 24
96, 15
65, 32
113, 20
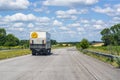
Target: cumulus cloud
30, 25
108, 10
16, 29
84, 21
57, 23
20, 17
14, 4
116, 18
89, 25
70, 17
98, 26
63, 28
80, 29
69, 2
42, 9
43, 19
18, 24
74, 25
20, 21
71, 32
70, 14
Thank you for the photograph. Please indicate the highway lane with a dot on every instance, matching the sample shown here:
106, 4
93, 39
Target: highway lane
63, 64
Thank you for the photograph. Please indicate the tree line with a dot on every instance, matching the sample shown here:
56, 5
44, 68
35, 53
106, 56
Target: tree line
111, 36
10, 40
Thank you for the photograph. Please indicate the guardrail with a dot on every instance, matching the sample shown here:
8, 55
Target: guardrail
112, 57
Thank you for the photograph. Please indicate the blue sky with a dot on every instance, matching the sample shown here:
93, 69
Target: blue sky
65, 20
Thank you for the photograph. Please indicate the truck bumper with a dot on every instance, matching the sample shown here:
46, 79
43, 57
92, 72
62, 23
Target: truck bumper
39, 49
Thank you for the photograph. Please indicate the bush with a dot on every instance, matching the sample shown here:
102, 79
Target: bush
84, 44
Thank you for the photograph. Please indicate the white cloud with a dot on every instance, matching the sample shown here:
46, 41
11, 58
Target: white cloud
14, 4
63, 28
18, 25
42, 9
98, 26
22, 22
30, 25
17, 29
109, 10
97, 21
80, 29
43, 19
57, 23
20, 17
116, 18
74, 25
71, 32
70, 17
84, 21
38, 9
70, 14
69, 2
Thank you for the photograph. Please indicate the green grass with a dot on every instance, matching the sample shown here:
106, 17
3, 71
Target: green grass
115, 63
11, 48
13, 53
114, 50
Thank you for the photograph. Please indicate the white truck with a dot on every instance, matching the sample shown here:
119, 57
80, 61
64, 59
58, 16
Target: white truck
40, 42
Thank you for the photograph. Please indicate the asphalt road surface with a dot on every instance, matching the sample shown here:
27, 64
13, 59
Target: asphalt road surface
63, 64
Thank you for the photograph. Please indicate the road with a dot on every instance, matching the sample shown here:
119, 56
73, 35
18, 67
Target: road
63, 64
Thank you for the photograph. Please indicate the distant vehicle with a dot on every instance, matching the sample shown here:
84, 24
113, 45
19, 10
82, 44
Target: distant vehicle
40, 43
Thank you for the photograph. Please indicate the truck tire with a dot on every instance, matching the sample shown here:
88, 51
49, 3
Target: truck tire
49, 51
33, 53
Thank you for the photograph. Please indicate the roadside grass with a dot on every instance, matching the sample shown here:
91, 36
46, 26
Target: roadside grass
16, 51
104, 59
13, 53
114, 50
12, 48
115, 62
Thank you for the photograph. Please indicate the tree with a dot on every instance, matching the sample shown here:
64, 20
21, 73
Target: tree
11, 40
116, 34
53, 42
112, 35
106, 36
2, 36
24, 43
84, 44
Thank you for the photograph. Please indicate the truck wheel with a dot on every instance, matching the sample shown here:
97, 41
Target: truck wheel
49, 51
33, 52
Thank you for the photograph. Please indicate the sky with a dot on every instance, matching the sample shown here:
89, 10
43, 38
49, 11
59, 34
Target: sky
65, 20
